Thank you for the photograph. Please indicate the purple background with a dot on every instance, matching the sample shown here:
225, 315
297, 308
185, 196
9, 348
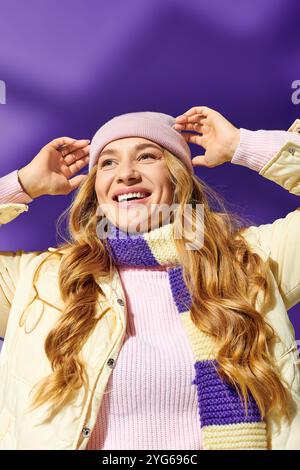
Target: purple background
69, 66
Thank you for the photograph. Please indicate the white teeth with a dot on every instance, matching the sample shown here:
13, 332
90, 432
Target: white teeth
124, 197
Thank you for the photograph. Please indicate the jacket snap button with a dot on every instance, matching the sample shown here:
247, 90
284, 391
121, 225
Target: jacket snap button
111, 362
86, 432
121, 302
292, 150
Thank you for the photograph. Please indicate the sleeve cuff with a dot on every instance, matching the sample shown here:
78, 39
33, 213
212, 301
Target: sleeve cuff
12, 191
256, 148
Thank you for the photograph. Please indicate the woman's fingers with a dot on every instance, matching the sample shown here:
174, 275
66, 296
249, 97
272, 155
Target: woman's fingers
200, 114
67, 145
190, 126
54, 144
192, 123
193, 138
76, 155
190, 117
72, 147
195, 118
203, 110
78, 165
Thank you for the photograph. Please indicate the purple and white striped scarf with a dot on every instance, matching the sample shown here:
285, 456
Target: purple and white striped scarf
222, 416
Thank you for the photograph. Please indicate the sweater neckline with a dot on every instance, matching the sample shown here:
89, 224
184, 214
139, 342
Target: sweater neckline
124, 267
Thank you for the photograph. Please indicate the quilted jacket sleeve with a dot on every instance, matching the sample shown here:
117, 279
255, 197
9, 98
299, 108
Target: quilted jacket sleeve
11, 263
281, 239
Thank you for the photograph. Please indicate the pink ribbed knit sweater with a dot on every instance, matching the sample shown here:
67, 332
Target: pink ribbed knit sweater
149, 402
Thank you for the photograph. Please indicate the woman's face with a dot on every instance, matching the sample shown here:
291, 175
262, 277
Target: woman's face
133, 165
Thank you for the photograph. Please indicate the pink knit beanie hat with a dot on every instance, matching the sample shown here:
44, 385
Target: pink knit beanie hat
150, 125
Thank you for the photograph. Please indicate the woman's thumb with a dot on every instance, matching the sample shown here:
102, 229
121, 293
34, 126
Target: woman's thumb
76, 181
199, 160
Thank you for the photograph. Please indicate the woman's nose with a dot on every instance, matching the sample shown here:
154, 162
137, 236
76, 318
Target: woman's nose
127, 172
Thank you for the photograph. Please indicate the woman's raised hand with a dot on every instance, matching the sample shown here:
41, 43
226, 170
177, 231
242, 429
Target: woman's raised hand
216, 135
52, 171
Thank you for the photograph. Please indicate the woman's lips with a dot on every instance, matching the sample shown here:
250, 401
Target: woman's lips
132, 202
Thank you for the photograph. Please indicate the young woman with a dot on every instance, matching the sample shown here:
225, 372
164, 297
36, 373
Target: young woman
127, 336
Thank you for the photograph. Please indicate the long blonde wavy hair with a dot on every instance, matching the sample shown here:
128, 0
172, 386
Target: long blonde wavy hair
224, 276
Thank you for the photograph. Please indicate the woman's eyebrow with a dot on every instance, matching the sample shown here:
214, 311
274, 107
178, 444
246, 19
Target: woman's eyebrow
137, 147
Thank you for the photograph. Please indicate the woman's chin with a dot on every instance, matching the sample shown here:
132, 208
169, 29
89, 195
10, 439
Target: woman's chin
136, 226
137, 220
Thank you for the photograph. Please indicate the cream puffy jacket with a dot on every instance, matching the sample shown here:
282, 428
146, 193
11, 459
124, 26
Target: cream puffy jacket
30, 304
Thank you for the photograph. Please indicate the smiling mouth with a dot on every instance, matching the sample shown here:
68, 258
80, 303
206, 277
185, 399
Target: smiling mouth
132, 200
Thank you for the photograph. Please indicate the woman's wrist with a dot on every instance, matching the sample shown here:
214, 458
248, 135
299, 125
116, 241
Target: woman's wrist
257, 147
234, 144
11, 190
28, 182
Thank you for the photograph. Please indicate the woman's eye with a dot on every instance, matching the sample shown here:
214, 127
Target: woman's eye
104, 162
148, 155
